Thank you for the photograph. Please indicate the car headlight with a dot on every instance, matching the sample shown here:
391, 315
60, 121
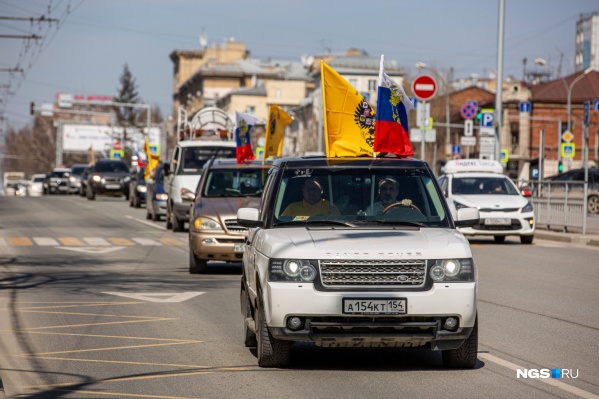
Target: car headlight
203, 223
452, 270
459, 205
141, 189
96, 178
527, 207
126, 179
162, 197
292, 270
72, 179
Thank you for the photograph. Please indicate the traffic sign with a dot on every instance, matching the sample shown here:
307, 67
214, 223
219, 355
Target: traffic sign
117, 145
525, 107
503, 155
456, 149
568, 150
486, 120
468, 141
567, 136
595, 105
587, 112
468, 111
424, 87
414, 101
468, 127
423, 113
473, 102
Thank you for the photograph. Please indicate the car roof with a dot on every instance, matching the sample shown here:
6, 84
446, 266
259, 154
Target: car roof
319, 161
231, 163
210, 143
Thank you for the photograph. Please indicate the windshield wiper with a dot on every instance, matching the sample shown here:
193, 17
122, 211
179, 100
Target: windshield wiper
316, 222
398, 222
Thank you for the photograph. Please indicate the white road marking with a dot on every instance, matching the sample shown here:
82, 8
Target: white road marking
45, 241
96, 241
146, 241
92, 250
2, 242
550, 381
158, 297
154, 225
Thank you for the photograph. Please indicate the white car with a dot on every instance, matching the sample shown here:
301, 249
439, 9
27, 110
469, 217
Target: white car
35, 188
481, 184
327, 271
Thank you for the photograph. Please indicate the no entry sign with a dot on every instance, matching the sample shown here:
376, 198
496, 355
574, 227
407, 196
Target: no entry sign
424, 87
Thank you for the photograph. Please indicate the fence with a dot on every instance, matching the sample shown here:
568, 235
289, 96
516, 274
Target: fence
559, 203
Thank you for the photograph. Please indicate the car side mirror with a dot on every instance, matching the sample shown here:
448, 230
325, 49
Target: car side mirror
249, 217
467, 217
188, 196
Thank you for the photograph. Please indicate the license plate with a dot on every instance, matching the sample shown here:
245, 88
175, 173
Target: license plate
62, 188
498, 222
239, 248
112, 186
374, 306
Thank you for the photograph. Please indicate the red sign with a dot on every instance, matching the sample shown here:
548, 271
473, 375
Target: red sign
117, 145
424, 87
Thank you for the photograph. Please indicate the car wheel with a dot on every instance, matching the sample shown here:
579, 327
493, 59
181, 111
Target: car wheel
593, 204
465, 356
169, 223
271, 351
249, 336
90, 194
136, 201
499, 238
155, 217
526, 239
131, 204
148, 214
177, 224
197, 265
81, 192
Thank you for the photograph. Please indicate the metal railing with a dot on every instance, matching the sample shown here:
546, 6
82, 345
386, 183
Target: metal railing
559, 204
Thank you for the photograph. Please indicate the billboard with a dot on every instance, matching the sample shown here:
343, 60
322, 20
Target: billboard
79, 137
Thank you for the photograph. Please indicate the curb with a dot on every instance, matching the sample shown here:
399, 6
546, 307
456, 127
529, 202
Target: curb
590, 240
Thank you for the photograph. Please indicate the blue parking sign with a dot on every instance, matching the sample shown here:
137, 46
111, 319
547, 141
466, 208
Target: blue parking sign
486, 119
456, 149
525, 107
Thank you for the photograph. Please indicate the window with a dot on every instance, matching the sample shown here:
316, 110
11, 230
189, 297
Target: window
372, 85
250, 109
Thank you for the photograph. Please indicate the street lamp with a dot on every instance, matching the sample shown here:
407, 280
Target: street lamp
422, 65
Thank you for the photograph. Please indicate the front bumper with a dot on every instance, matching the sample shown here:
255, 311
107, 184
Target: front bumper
215, 246
521, 224
110, 189
158, 207
182, 210
326, 325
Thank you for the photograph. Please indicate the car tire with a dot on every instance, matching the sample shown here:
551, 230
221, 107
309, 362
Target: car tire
593, 204
90, 194
148, 214
249, 336
499, 239
527, 239
271, 351
464, 357
176, 223
169, 223
197, 265
155, 217
131, 198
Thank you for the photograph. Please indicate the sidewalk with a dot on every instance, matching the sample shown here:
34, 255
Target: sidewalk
573, 235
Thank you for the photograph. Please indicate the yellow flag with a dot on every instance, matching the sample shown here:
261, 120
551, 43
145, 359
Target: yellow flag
275, 130
348, 118
153, 160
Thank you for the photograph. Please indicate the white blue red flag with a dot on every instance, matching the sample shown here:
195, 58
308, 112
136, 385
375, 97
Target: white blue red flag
245, 122
391, 131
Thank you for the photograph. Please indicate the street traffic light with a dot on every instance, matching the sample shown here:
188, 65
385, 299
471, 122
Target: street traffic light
560, 166
32, 108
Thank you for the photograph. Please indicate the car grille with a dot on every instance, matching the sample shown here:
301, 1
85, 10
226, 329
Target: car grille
233, 227
370, 273
499, 209
112, 179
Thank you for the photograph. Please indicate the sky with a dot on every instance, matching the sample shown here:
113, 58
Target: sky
86, 51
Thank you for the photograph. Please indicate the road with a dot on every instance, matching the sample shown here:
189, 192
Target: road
97, 302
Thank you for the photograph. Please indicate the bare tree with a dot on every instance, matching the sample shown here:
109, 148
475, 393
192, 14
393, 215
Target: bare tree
31, 149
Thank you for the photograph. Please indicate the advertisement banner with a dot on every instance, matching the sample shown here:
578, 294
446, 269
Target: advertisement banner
79, 137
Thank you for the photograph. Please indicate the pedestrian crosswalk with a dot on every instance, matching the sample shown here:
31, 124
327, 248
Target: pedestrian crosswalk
89, 241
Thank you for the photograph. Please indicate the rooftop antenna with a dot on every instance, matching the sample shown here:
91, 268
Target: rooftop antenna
203, 39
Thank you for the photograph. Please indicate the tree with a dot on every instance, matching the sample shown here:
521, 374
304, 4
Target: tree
126, 117
31, 149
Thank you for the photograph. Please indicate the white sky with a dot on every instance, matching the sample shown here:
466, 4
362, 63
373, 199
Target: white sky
87, 53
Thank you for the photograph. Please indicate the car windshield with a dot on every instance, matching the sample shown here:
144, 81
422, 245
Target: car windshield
77, 170
235, 183
38, 179
483, 186
352, 196
194, 158
111, 167
57, 173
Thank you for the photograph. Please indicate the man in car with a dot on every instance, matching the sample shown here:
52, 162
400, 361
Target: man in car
388, 191
312, 203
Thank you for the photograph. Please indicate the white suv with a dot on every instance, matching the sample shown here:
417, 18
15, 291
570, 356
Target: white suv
344, 276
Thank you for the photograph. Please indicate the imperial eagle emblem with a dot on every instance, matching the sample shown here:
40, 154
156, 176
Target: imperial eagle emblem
243, 129
395, 98
365, 118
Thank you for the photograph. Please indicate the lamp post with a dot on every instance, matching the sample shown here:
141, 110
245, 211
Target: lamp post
422, 65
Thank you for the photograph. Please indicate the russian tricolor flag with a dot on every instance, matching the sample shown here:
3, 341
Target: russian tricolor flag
391, 131
245, 122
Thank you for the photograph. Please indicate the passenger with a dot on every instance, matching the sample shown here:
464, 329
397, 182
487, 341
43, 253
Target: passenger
312, 203
388, 191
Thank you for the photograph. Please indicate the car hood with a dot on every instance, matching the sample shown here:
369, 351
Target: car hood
113, 174
360, 243
223, 208
491, 201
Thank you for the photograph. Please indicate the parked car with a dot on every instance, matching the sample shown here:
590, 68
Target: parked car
75, 177
156, 195
137, 188
83, 181
57, 181
108, 177
224, 187
35, 188
577, 175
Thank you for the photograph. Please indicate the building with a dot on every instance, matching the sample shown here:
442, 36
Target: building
587, 42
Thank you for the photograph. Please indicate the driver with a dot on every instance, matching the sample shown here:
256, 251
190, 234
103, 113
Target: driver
388, 191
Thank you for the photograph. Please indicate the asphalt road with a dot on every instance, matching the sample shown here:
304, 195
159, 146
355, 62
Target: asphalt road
97, 302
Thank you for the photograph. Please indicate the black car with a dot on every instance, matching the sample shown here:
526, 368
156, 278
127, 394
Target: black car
137, 188
577, 175
57, 181
108, 177
156, 196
